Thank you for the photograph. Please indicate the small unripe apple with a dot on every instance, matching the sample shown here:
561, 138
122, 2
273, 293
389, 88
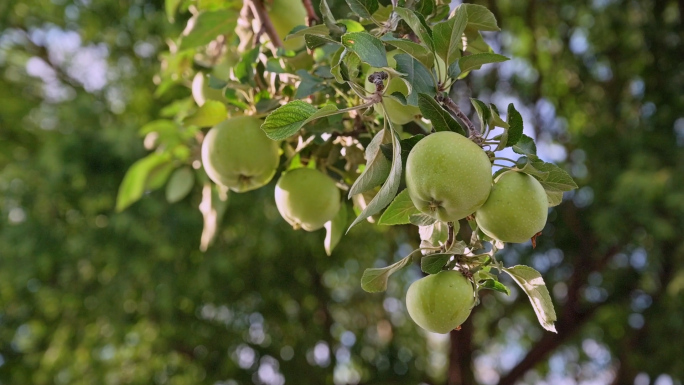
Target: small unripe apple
307, 198
237, 154
440, 302
516, 209
285, 15
201, 91
448, 176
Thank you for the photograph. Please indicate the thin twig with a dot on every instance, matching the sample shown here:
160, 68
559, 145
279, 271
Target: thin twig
453, 107
262, 17
310, 13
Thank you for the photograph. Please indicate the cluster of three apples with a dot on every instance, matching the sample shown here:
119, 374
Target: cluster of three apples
449, 177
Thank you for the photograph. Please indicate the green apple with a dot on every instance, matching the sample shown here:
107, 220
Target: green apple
237, 154
285, 15
440, 302
307, 198
516, 208
448, 176
201, 91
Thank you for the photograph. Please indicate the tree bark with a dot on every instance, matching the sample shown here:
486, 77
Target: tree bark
460, 370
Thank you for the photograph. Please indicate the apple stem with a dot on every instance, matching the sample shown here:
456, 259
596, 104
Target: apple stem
450, 236
451, 106
262, 17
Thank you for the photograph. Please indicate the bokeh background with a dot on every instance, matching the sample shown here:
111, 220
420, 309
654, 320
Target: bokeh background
91, 296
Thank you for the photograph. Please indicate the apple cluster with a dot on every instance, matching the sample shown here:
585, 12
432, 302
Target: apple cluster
238, 155
449, 177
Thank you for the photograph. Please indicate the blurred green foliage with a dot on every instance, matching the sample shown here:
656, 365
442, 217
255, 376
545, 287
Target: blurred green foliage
90, 296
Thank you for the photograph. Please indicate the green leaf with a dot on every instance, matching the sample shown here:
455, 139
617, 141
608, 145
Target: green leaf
554, 197
375, 280
207, 26
433, 264
475, 61
315, 41
377, 166
406, 147
530, 169
525, 146
417, 75
211, 113
135, 181
532, 283
483, 112
336, 63
495, 285
474, 42
244, 70
415, 23
180, 184
363, 8
308, 85
287, 119
334, 229
350, 66
441, 119
389, 189
329, 20
422, 220
369, 48
515, 123
425, 7
320, 29
171, 6
557, 179
448, 36
480, 18
399, 211
418, 51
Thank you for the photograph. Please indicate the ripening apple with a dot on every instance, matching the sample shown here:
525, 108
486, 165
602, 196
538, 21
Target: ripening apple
440, 302
237, 154
448, 176
307, 198
516, 208
201, 91
285, 15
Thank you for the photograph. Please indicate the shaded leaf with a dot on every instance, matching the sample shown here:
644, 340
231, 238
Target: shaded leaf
495, 285
415, 23
363, 8
480, 18
448, 36
334, 229
377, 166
515, 123
369, 48
475, 61
417, 75
441, 119
433, 263
399, 211
532, 283
417, 51
389, 189
375, 280
422, 220
525, 146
